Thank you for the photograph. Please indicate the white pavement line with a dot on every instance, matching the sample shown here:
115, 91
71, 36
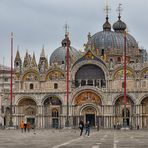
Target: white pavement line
98, 143
95, 146
66, 143
115, 141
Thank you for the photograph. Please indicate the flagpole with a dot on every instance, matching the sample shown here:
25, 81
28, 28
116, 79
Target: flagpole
125, 99
11, 93
67, 79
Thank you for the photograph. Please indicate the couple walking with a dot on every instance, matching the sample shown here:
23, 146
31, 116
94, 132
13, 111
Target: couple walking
87, 127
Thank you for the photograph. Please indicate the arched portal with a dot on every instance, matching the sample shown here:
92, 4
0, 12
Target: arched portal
52, 106
89, 114
120, 111
27, 110
87, 107
90, 75
144, 112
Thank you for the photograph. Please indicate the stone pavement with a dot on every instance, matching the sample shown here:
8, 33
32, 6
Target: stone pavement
71, 139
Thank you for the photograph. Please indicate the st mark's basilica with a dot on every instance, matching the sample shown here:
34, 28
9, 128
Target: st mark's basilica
96, 81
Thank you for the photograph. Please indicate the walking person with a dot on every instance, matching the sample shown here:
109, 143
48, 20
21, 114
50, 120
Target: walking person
22, 125
28, 126
87, 127
81, 126
25, 126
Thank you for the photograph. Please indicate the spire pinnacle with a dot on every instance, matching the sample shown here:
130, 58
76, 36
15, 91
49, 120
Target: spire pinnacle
42, 52
66, 27
106, 25
119, 10
107, 8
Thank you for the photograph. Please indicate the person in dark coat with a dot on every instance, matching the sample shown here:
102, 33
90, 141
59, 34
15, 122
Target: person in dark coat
81, 126
87, 127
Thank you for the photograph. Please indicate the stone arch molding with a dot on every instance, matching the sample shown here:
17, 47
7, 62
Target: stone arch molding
50, 95
97, 109
121, 95
76, 67
26, 97
141, 99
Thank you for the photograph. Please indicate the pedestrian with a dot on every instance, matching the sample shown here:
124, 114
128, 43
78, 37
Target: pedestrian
98, 126
87, 127
22, 125
28, 126
81, 126
25, 126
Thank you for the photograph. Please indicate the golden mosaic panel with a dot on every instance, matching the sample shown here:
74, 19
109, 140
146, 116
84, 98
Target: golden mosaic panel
120, 74
31, 76
87, 97
145, 74
55, 75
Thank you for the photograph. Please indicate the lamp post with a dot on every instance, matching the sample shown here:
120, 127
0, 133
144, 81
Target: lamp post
11, 95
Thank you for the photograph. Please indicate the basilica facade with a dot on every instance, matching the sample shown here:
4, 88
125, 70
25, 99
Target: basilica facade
96, 81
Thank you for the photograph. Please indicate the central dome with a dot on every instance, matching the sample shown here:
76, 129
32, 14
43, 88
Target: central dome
108, 39
111, 40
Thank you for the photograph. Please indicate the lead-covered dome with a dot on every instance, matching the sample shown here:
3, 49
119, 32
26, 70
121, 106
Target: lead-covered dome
108, 39
59, 54
111, 40
119, 26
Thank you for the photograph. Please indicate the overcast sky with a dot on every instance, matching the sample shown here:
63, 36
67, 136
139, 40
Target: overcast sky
38, 22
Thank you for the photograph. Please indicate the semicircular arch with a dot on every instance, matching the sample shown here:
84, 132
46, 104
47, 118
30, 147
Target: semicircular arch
22, 98
119, 73
76, 68
129, 98
87, 96
52, 99
31, 75
142, 98
144, 73
89, 105
55, 74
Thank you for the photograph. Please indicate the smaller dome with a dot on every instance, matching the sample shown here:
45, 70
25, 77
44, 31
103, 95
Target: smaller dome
59, 55
106, 25
119, 26
65, 41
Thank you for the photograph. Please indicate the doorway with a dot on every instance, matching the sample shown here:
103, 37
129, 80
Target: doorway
32, 121
91, 119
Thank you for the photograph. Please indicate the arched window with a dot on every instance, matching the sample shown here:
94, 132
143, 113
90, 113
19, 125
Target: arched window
55, 113
31, 86
119, 60
55, 85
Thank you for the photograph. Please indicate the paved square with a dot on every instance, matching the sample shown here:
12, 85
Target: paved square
71, 139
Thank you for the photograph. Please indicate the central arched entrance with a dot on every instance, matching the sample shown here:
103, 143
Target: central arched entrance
89, 113
87, 107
